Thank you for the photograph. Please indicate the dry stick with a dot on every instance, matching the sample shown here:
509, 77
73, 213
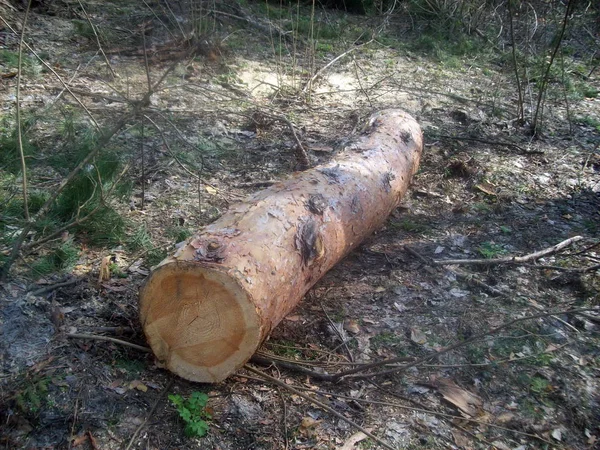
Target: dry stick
409, 408
420, 361
51, 69
150, 413
317, 403
263, 360
510, 259
520, 111
320, 72
97, 39
339, 334
168, 147
469, 278
285, 428
18, 99
485, 141
109, 339
301, 154
440, 414
55, 286
544, 85
362, 89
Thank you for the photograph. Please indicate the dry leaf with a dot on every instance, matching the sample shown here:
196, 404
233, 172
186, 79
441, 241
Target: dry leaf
465, 401
353, 440
417, 336
309, 422
137, 384
78, 440
460, 439
211, 190
351, 326
486, 188
293, 318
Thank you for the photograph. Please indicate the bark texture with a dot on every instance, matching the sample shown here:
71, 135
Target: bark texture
207, 308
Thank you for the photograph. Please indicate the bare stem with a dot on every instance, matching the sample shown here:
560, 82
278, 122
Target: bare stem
18, 99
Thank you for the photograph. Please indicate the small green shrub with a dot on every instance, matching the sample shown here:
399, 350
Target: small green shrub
490, 250
193, 412
61, 258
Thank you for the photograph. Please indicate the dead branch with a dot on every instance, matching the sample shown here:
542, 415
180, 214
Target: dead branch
358, 371
93, 27
469, 278
511, 259
109, 339
264, 360
489, 142
55, 286
19, 131
150, 413
51, 69
321, 71
317, 403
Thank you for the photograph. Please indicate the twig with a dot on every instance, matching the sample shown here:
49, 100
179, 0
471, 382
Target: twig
150, 413
18, 100
55, 286
51, 69
320, 72
439, 414
339, 334
469, 278
510, 259
486, 141
544, 84
264, 360
114, 75
285, 428
437, 354
109, 339
301, 154
520, 111
317, 403
75, 410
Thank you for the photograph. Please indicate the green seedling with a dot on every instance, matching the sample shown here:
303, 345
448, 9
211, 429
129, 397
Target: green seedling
490, 250
193, 412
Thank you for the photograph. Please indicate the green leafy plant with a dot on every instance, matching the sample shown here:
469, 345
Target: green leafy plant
193, 412
490, 250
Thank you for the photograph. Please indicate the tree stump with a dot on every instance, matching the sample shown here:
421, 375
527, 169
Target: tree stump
207, 308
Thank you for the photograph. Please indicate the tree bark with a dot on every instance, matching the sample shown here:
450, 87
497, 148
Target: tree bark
206, 309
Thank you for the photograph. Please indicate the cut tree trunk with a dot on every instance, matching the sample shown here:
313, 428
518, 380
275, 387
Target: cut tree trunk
206, 309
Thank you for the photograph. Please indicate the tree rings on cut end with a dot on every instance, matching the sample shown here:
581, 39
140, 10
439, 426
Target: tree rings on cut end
198, 320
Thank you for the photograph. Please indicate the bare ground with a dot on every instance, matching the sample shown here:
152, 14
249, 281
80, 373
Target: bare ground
485, 188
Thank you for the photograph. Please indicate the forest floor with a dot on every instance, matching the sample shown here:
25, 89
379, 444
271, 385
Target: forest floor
485, 189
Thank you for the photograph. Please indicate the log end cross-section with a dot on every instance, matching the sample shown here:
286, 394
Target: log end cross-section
208, 307
198, 320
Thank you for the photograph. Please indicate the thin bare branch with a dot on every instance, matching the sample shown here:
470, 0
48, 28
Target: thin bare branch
281, 384
100, 49
19, 131
511, 259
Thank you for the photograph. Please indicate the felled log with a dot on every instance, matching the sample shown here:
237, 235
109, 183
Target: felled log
207, 308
